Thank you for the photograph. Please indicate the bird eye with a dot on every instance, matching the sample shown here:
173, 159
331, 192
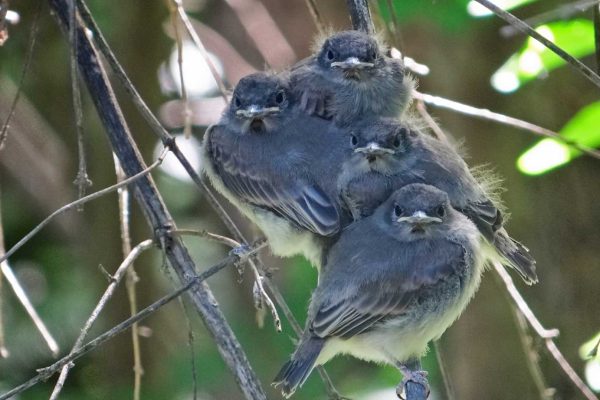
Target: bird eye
373, 54
398, 211
236, 102
396, 141
280, 97
440, 211
354, 140
330, 55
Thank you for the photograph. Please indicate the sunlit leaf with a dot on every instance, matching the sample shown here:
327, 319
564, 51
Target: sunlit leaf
589, 348
478, 10
449, 15
547, 154
576, 37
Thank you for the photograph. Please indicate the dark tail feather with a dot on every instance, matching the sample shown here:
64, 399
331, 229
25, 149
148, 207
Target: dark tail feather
517, 255
294, 372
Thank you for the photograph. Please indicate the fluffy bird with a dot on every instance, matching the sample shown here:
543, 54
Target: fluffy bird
350, 78
278, 166
389, 155
393, 282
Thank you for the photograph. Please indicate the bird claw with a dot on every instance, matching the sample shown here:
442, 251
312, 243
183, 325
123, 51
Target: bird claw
414, 385
240, 251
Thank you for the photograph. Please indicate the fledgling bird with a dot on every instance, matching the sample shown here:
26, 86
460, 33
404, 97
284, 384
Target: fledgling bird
393, 282
350, 78
278, 166
388, 155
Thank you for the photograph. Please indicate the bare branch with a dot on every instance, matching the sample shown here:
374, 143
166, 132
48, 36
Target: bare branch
108, 293
316, 16
547, 335
194, 35
194, 281
503, 119
78, 202
361, 16
81, 179
523, 27
12, 280
30, 48
131, 280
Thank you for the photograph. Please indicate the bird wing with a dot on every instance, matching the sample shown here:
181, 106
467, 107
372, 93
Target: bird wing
293, 198
385, 297
486, 216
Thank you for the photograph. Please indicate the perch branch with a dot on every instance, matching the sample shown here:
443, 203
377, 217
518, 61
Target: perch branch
503, 119
547, 335
523, 27
155, 211
193, 281
108, 293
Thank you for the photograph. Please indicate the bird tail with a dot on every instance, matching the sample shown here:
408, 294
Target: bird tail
516, 256
293, 374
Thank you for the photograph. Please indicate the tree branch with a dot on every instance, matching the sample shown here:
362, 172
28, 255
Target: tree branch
360, 16
154, 208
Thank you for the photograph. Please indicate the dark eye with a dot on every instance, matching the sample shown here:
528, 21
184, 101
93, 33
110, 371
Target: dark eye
440, 211
398, 211
280, 97
330, 55
373, 54
236, 102
354, 140
396, 142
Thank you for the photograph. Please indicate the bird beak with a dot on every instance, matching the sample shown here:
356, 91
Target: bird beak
352, 63
373, 149
419, 218
256, 112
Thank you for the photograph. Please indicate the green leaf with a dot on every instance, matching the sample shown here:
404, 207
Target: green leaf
547, 154
589, 347
477, 10
576, 37
449, 15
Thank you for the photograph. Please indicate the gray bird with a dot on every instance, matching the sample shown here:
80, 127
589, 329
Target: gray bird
393, 282
350, 78
388, 155
278, 166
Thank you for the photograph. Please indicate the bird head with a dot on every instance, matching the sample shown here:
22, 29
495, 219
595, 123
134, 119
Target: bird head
258, 100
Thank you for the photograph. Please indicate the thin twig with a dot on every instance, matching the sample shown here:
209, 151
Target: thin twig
597, 35
194, 35
562, 12
82, 180
547, 335
361, 16
258, 277
187, 112
435, 128
316, 16
523, 27
108, 293
12, 280
45, 373
4, 353
132, 278
83, 200
503, 119
449, 393
29, 57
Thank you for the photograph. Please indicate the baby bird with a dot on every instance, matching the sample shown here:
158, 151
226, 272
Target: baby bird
393, 282
278, 166
349, 79
389, 155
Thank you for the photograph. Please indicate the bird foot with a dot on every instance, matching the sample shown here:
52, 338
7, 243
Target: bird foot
414, 386
240, 251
